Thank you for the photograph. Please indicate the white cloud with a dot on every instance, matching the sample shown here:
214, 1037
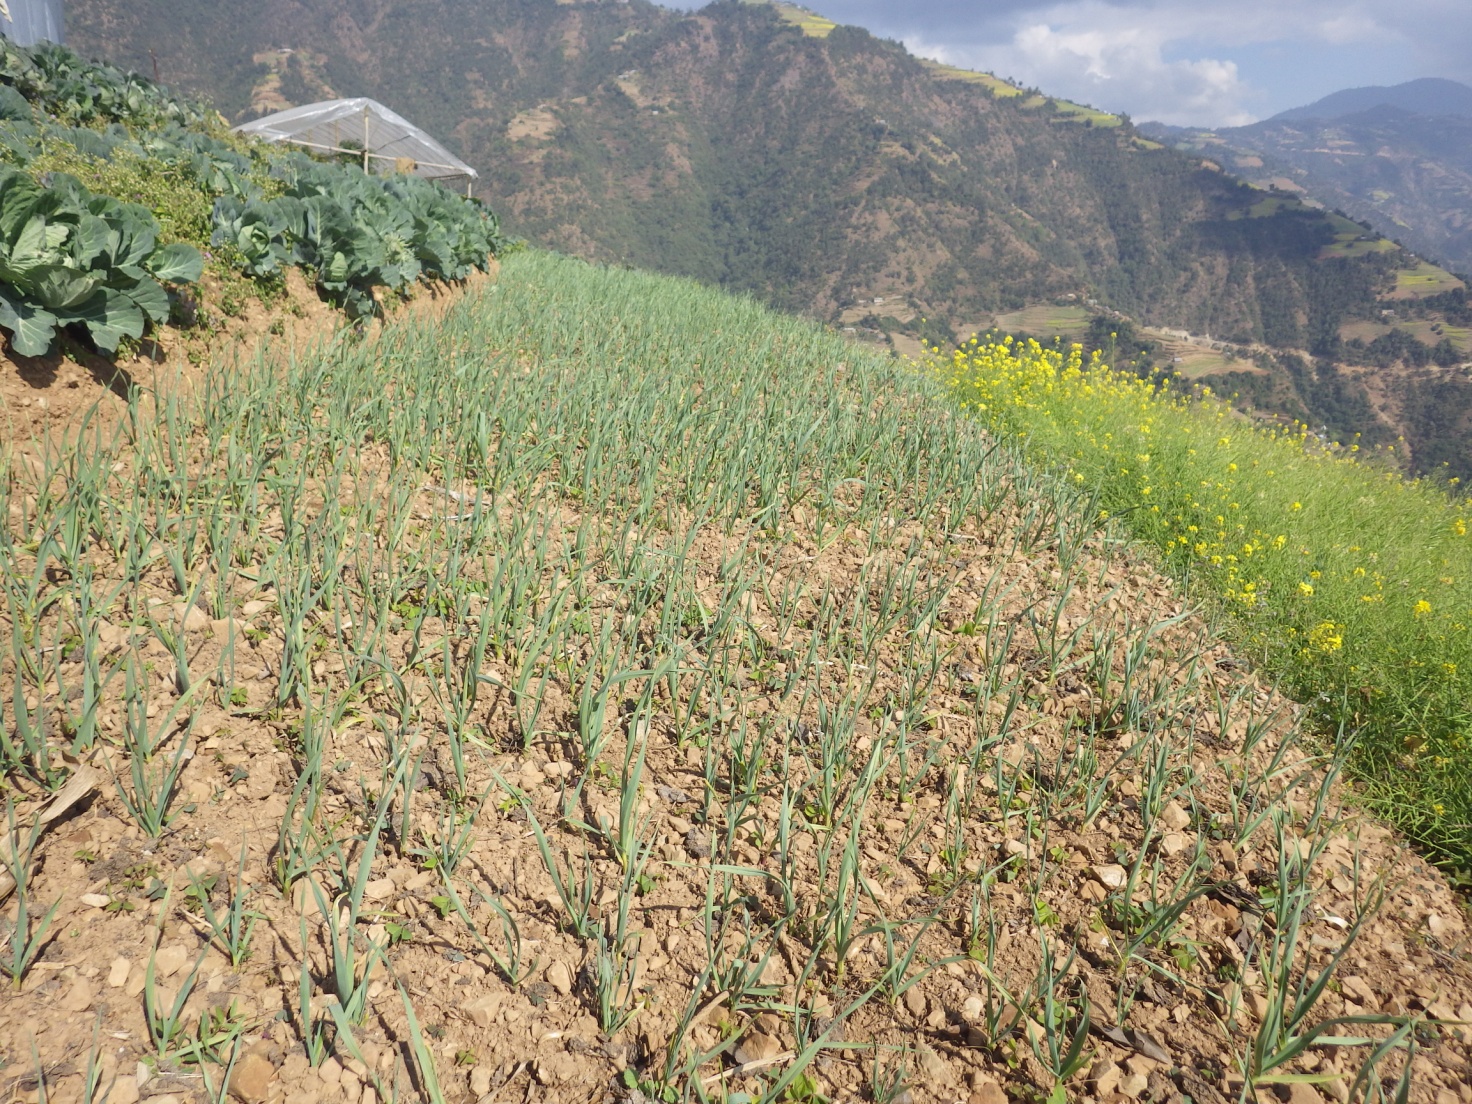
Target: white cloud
1120, 67
1125, 67
1177, 60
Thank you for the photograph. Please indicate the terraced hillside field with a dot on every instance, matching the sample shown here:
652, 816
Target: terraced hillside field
616, 691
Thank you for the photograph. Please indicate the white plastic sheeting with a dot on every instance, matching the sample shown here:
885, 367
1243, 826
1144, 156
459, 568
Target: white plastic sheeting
27, 22
364, 128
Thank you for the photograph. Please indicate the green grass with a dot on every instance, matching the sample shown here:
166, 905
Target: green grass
1356, 247
1197, 363
1082, 113
810, 23
1348, 583
1003, 90
1424, 280
1046, 321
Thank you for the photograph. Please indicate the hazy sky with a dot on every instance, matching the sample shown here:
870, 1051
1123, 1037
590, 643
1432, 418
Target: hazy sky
1205, 62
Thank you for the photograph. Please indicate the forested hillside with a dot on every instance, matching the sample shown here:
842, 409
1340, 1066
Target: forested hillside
817, 170
1408, 174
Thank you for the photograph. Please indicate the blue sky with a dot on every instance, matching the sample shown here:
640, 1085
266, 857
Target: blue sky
1189, 62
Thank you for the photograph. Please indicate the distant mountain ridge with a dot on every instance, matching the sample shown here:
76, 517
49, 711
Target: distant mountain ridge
1398, 157
761, 148
1426, 96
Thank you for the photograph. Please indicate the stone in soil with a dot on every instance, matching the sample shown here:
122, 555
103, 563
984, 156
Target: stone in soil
757, 1047
250, 1081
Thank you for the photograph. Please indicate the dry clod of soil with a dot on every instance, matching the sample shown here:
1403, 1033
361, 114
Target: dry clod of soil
250, 1081
78, 998
559, 976
117, 973
933, 1068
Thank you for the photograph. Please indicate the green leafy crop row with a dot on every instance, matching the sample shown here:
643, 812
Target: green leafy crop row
76, 91
256, 209
357, 231
67, 255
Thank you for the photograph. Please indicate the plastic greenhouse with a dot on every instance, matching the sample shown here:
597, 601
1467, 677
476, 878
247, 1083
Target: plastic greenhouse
27, 22
364, 128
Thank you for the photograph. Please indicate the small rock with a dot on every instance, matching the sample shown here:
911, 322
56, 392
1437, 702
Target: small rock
1134, 1085
972, 1009
480, 1080
255, 606
1173, 843
78, 998
117, 974
915, 1001
168, 961
1175, 818
1256, 1003
124, 1090
482, 1010
1105, 1076
194, 618
672, 795
330, 1071
1138, 1063
1111, 875
226, 628
379, 889
1300, 1093
988, 1092
303, 899
696, 844
96, 900
932, 1066
250, 1080
560, 978
757, 1047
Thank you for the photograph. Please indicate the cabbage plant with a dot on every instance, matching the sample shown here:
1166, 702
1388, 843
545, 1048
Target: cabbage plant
70, 257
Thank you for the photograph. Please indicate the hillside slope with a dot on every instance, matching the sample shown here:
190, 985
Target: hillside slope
772, 151
611, 689
557, 771
1399, 158
1407, 174
818, 167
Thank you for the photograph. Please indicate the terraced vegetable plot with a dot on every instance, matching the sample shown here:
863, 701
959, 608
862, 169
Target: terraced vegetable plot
104, 265
615, 691
1423, 280
810, 23
1045, 321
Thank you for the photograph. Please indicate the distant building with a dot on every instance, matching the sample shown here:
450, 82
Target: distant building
27, 22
